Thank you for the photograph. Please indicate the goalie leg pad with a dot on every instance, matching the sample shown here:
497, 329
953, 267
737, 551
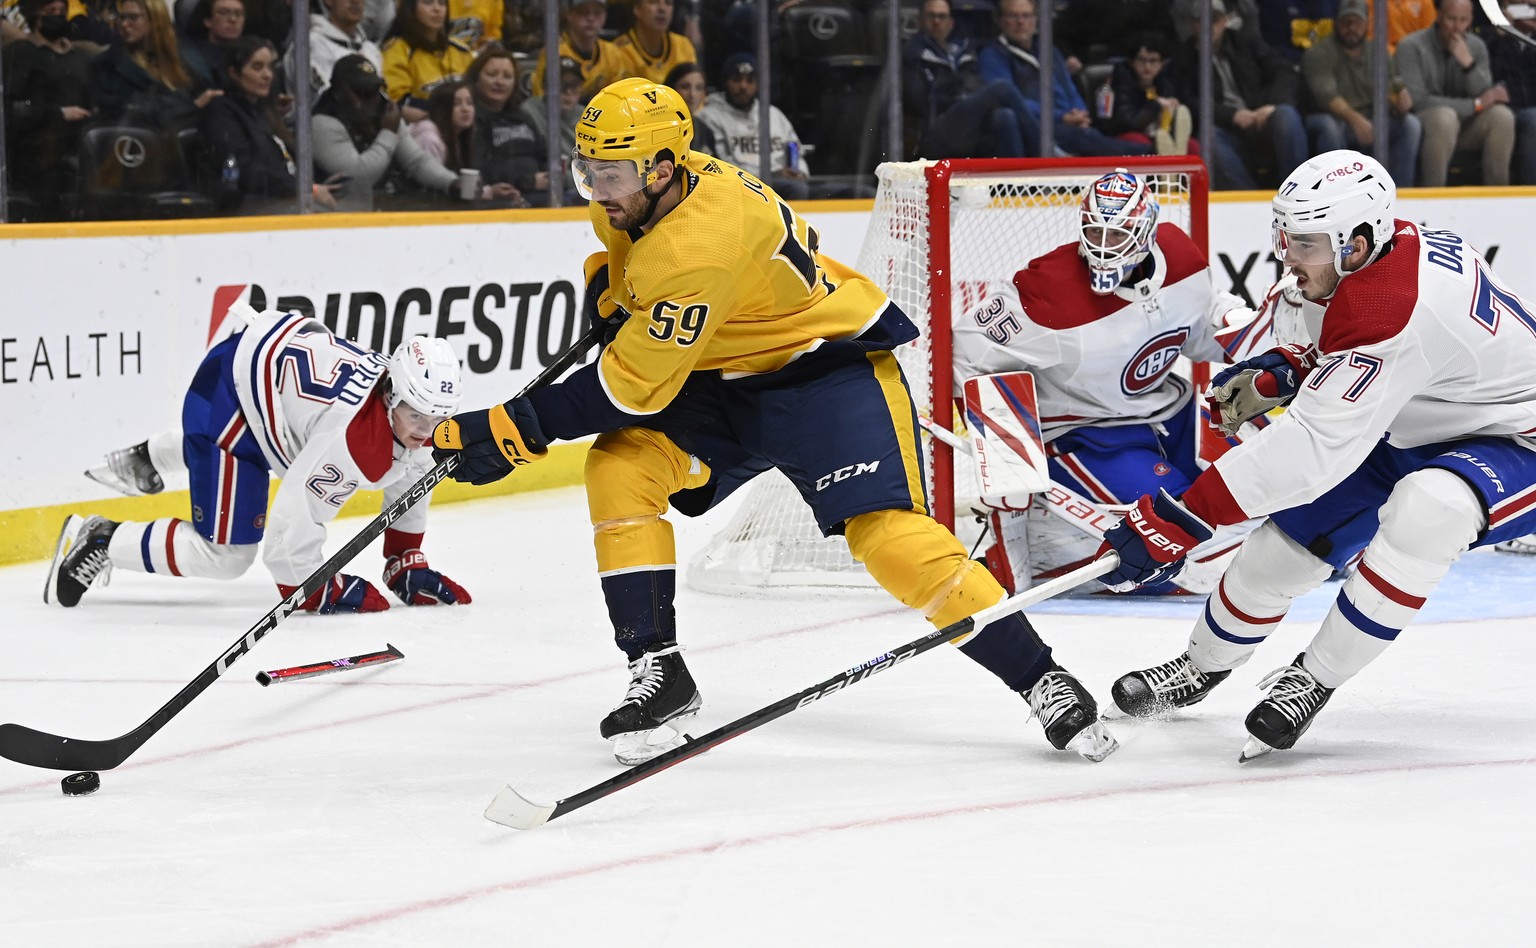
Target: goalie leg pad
1431, 518
1268, 573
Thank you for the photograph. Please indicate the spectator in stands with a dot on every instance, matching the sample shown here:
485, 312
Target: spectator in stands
47, 101
535, 110
1142, 104
1341, 75
93, 24
954, 112
1093, 31
244, 130
581, 41
1013, 56
650, 48
476, 23
1403, 17
1254, 97
419, 54
337, 33
732, 117
215, 26
378, 17
450, 135
1294, 26
145, 80
1242, 17
1514, 65
688, 80
509, 151
1448, 74
357, 135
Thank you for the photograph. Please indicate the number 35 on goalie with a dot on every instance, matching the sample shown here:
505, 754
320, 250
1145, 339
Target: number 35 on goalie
1003, 419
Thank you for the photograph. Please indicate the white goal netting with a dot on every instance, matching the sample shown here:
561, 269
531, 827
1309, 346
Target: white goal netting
940, 232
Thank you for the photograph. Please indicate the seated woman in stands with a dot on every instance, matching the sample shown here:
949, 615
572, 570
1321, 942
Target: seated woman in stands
419, 55
145, 81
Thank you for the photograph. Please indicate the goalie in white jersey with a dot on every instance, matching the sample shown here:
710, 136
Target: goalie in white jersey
1100, 324
1410, 436
284, 397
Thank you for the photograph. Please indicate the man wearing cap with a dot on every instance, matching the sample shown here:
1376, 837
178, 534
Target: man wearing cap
600, 61
1447, 71
1340, 74
356, 136
732, 116
336, 34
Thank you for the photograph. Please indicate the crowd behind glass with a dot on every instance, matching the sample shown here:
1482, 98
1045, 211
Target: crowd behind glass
143, 108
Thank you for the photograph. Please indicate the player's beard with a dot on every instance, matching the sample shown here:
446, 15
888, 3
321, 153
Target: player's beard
635, 210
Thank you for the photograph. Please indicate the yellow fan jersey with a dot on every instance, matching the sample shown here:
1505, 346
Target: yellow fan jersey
605, 65
676, 49
730, 281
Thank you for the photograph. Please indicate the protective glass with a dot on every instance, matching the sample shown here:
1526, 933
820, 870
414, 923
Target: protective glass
605, 180
1307, 250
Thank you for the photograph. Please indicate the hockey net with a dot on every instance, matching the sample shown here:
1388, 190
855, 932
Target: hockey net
939, 233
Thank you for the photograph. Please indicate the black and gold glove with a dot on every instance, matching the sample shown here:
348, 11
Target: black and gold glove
490, 442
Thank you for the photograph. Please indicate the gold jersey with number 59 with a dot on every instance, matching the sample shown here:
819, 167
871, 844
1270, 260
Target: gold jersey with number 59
729, 281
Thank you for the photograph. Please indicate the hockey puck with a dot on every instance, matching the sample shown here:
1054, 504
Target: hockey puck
78, 785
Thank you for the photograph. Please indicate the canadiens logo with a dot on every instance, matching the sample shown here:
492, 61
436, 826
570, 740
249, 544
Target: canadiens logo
1150, 363
1161, 469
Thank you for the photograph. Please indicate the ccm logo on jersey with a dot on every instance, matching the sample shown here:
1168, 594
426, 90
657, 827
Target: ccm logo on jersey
843, 473
1173, 548
1148, 366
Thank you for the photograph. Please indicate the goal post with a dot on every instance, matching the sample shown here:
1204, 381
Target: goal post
940, 232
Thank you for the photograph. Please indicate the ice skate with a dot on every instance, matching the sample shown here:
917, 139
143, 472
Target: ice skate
661, 698
79, 559
1069, 715
1157, 691
1284, 715
1525, 544
128, 471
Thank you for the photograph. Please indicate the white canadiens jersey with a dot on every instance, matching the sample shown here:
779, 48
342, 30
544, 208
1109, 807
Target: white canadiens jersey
310, 401
1098, 360
1421, 346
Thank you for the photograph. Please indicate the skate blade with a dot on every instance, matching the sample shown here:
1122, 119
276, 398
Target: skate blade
71, 527
637, 747
1253, 749
102, 474
1093, 742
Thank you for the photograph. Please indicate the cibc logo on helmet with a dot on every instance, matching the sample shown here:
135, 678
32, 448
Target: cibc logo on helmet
1345, 171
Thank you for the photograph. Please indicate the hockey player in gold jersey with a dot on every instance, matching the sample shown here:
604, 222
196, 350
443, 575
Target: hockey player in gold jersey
738, 347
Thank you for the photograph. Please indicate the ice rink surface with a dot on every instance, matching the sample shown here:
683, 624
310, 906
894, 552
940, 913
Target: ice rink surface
918, 808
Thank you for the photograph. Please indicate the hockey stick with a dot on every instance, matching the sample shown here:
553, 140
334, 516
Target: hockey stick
1501, 22
511, 808
36, 748
294, 673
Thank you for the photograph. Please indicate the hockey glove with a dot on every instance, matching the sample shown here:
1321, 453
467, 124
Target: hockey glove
1152, 540
1250, 388
599, 307
417, 584
343, 593
490, 442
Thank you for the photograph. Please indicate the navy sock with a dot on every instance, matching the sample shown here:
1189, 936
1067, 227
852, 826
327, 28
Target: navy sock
1010, 649
640, 608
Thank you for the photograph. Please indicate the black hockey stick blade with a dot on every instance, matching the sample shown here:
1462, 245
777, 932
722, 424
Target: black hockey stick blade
331, 666
36, 748
510, 808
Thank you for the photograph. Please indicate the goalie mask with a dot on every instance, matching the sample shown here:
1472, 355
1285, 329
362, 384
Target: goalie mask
629, 128
1119, 222
424, 374
1322, 205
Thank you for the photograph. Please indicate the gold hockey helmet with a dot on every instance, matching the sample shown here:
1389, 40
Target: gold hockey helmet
625, 131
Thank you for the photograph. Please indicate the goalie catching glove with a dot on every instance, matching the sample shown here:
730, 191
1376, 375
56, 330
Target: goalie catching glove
1248, 389
490, 442
1152, 542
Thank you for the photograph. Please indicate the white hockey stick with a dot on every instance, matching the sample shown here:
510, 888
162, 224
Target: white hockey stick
1496, 16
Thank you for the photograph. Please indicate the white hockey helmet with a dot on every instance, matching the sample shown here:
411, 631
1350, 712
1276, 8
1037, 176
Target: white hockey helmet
424, 373
1119, 225
1330, 197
